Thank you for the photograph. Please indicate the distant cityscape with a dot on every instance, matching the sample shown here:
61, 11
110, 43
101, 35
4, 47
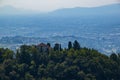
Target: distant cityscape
97, 28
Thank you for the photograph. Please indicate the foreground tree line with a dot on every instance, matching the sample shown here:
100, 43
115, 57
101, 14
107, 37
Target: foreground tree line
43, 62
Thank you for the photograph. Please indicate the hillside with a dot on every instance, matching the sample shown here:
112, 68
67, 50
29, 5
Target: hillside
43, 62
109, 10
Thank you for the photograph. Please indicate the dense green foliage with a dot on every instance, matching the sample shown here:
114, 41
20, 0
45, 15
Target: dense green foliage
73, 63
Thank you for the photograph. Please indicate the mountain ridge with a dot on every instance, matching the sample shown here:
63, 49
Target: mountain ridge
106, 9
113, 9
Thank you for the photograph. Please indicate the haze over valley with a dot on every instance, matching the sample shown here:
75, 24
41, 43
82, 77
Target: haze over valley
95, 27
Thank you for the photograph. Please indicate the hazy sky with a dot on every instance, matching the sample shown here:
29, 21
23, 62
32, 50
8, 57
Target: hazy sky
48, 5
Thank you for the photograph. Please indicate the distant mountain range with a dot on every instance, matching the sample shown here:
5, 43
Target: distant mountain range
113, 9
9, 10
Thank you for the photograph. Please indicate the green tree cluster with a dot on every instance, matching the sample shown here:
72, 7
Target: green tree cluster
74, 63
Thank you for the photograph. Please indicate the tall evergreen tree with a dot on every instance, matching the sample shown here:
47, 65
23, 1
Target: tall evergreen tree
76, 45
69, 45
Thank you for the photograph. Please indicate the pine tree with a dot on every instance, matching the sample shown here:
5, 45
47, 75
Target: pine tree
69, 45
76, 45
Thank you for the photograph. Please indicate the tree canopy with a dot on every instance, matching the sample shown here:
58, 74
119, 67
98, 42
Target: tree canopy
74, 63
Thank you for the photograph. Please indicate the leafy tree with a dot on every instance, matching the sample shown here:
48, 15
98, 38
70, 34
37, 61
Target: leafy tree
77, 63
28, 76
113, 57
24, 55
